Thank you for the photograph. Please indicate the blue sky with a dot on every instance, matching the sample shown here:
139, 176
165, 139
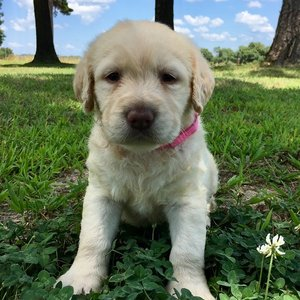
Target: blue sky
210, 23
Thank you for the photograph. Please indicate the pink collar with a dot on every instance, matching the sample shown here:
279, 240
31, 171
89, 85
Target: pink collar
183, 136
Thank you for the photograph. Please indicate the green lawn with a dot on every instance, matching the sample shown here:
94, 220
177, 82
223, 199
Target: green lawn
253, 129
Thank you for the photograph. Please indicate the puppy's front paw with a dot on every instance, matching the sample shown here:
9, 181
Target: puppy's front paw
82, 282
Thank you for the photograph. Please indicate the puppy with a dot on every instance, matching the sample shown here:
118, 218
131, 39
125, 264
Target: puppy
148, 160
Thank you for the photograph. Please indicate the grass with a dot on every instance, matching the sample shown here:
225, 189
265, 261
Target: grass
254, 132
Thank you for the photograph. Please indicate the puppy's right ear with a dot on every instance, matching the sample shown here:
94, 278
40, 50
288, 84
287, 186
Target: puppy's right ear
83, 85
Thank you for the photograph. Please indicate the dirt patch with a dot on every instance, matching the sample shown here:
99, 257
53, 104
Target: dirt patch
63, 182
6, 214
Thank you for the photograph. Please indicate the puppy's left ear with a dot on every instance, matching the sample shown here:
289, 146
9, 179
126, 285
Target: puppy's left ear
203, 81
83, 85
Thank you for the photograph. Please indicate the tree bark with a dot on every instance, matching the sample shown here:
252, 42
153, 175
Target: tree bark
285, 48
45, 51
164, 12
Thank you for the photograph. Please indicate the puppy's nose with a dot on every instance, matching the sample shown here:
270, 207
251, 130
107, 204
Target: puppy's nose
140, 118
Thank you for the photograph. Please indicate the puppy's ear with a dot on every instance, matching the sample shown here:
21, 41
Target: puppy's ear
203, 81
83, 85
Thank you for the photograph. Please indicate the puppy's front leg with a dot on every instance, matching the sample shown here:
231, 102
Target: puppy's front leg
187, 221
100, 220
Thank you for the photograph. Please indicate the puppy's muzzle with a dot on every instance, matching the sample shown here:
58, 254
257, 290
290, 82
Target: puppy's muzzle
140, 118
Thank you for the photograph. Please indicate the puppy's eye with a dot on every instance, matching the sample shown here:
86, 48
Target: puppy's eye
167, 78
113, 77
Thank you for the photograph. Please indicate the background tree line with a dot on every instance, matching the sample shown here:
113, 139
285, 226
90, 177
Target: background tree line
254, 52
285, 48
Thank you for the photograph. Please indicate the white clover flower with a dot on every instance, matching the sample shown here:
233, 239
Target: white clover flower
272, 247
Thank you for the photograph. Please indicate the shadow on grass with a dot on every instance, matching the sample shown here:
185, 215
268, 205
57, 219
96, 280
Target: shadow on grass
276, 72
35, 65
38, 98
239, 108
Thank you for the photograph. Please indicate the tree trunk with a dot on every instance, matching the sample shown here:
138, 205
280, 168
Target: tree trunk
45, 51
164, 12
285, 48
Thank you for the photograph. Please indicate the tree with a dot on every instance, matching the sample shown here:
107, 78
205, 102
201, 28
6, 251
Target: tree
207, 54
5, 52
2, 35
252, 52
285, 48
43, 11
164, 12
224, 55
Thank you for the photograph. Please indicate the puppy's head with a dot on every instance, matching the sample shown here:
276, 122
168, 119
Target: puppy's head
144, 82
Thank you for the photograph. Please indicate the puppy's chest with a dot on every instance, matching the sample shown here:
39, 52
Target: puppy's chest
144, 181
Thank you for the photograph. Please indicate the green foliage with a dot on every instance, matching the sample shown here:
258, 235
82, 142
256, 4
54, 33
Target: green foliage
2, 35
5, 52
62, 6
254, 133
207, 54
252, 52
224, 55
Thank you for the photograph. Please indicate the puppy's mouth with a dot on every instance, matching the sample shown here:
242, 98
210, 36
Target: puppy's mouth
141, 128
137, 137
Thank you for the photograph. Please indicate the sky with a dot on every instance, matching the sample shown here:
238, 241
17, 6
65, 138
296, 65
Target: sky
210, 23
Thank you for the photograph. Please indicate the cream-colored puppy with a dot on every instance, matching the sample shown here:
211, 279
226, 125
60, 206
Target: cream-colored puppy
148, 160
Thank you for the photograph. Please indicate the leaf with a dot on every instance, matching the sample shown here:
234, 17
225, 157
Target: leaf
133, 296
236, 291
290, 254
223, 297
135, 285
149, 286
43, 276
279, 283
223, 283
49, 250
117, 278
232, 277
294, 217
66, 293
230, 258
266, 223
233, 181
288, 297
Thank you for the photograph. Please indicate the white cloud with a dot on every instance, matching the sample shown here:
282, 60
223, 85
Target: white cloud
23, 24
218, 37
201, 29
184, 30
88, 10
24, 3
58, 26
178, 22
70, 47
196, 21
203, 20
256, 23
3, 27
246, 38
14, 45
216, 22
220, 0
254, 4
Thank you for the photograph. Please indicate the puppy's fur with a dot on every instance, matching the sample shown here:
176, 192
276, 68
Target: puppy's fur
144, 66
